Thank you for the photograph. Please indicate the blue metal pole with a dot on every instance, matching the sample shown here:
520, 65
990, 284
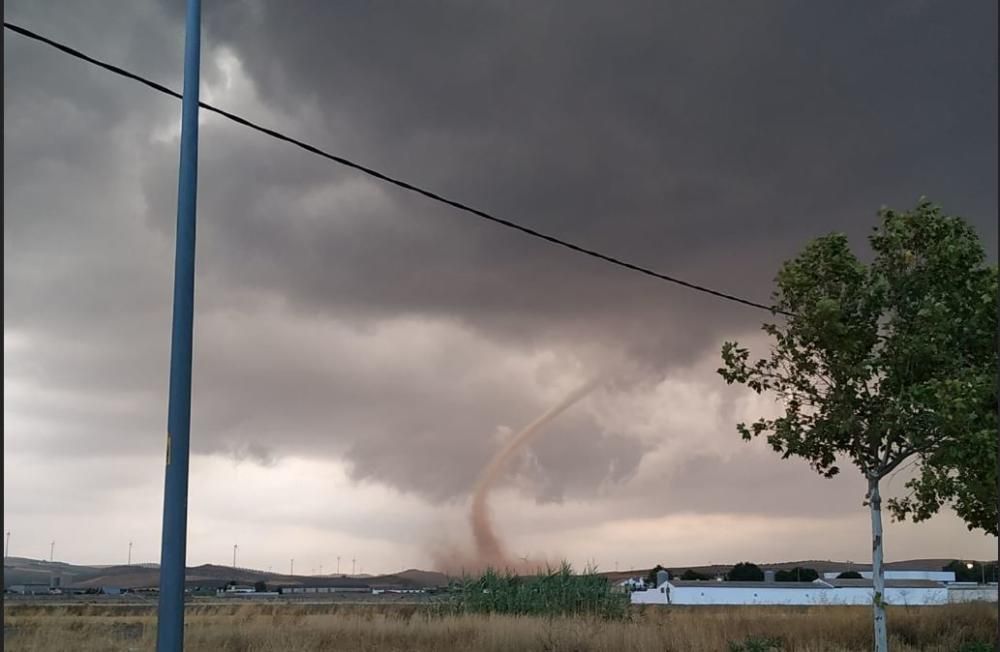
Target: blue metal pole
170, 619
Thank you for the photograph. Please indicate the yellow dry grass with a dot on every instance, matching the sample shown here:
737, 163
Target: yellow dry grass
391, 628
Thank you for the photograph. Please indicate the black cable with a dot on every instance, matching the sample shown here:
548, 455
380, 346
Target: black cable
396, 182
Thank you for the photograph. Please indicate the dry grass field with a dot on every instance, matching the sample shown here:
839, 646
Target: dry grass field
388, 628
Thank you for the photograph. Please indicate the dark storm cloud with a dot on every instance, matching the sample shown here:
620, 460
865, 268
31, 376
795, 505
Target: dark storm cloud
706, 141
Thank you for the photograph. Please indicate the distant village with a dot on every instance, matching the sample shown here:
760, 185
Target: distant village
742, 584
26, 577
747, 584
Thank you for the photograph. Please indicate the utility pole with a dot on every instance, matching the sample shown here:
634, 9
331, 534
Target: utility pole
353, 561
235, 548
129, 553
52, 551
6, 547
338, 561
291, 567
173, 553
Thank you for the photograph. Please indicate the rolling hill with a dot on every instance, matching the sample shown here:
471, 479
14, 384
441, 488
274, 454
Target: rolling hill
20, 570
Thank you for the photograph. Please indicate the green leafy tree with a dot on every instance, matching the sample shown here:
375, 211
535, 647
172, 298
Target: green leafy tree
260, 586
691, 575
882, 363
962, 572
850, 575
972, 571
797, 574
745, 572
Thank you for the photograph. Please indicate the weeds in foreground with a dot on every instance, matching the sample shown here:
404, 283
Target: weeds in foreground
394, 627
756, 644
550, 592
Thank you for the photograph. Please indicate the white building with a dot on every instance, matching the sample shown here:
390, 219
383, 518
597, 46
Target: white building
732, 593
820, 592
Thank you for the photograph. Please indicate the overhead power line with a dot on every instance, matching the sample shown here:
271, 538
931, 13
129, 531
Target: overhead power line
392, 180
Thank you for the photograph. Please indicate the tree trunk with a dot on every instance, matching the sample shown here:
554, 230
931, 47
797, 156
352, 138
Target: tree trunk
878, 576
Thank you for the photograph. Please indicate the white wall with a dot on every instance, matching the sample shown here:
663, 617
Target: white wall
916, 596
649, 596
740, 595
973, 594
713, 594
934, 576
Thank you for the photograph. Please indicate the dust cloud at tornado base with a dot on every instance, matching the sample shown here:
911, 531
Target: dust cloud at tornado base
489, 549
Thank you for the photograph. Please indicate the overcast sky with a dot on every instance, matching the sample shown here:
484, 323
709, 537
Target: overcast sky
360, 352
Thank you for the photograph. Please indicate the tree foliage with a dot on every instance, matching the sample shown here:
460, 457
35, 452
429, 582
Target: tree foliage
850, 575
745, 572
977, 573
651, 575
885, 362
691, 575
797, 574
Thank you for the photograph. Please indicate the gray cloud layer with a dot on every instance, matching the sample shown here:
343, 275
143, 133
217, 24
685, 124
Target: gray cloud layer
341, 318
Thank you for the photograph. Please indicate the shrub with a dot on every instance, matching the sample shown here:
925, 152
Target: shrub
745, 572
977, 573
548, 593
755, 644
977, 647
797, 574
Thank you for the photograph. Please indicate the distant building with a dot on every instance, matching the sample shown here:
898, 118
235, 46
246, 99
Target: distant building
376, 590
336, 586
29, 589
236, 588
632, 584
244, 595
